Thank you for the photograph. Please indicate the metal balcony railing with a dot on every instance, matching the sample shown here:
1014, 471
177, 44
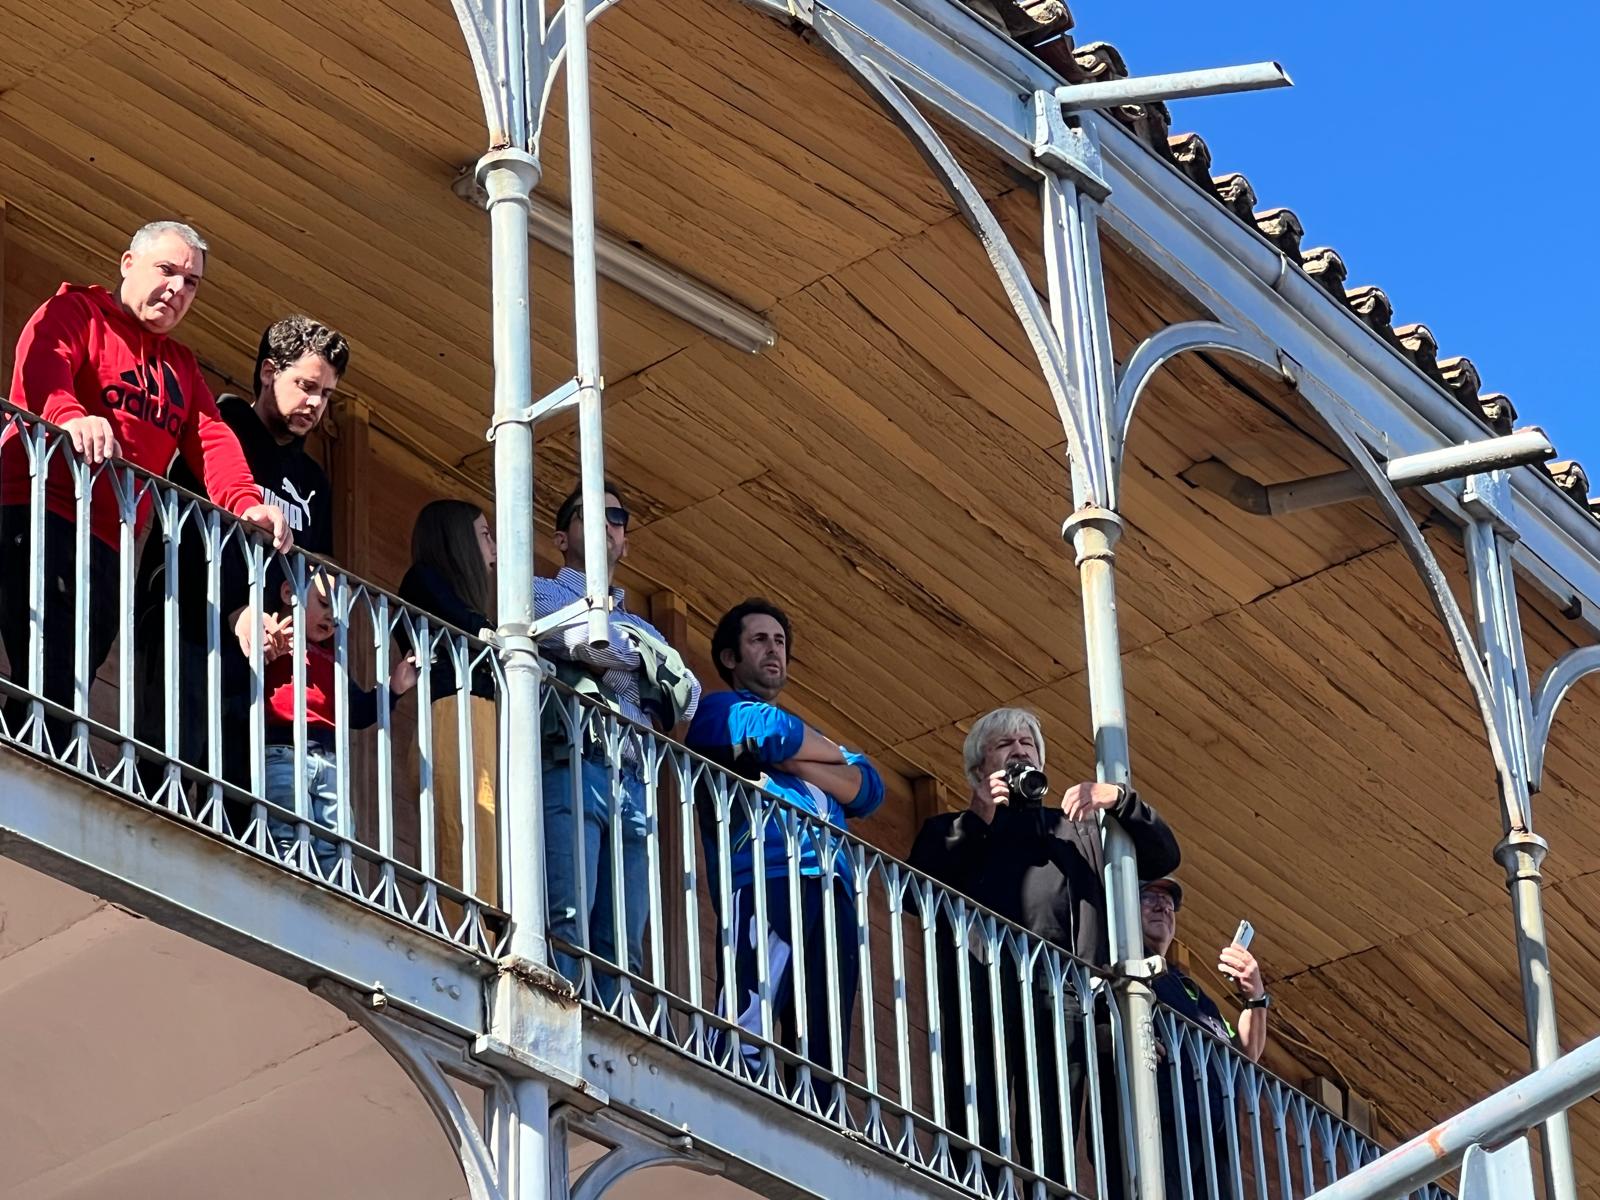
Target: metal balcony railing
965, 1034
182, 722
893, 1009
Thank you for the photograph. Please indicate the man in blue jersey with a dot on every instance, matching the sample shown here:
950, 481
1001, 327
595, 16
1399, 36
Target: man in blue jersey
810, 783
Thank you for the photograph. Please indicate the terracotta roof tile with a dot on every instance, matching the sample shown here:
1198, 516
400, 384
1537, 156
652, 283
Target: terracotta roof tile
1101, 61
1499, 412
1025, 20
1283, 229
1150, 123
1373, 306
1193, 156
1237, 196
1461, 377
1325, 266
1572, 479
1421, 347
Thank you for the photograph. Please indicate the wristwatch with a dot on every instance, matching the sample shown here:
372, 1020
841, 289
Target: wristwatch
1262, 1001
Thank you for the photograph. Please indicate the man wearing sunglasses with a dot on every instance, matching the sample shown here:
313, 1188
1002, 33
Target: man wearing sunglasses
593, 784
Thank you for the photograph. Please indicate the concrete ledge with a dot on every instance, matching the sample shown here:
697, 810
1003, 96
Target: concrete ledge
156, 866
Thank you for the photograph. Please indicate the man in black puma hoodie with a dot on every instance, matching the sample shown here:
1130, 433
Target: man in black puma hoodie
298, 366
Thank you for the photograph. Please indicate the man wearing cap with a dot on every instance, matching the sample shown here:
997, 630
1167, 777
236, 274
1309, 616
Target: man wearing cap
1160, 901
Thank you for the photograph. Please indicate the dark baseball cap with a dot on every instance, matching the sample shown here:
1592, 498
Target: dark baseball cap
1169, 885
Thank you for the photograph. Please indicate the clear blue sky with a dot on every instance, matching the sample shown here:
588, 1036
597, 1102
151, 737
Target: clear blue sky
1446, 150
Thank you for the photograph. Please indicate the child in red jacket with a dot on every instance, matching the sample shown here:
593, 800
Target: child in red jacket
321, 780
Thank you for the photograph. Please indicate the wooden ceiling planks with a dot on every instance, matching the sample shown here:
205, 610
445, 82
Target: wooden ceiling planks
39, 34
893, 471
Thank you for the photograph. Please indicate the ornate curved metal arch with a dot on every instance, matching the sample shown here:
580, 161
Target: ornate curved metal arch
1553, 688
1157, 350
629, 1151
1433, 579
495, 32
517, 52
430, 1059
855, 52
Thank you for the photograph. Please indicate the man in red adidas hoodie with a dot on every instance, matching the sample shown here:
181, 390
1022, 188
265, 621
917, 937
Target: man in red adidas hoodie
103, 366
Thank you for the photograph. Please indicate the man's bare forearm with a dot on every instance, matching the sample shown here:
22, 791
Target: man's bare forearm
839, 780
815, 748
1253, 1033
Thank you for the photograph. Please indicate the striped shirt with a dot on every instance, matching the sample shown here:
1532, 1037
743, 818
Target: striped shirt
619, 663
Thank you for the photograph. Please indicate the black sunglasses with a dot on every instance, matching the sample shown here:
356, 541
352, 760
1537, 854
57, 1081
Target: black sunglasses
616, 515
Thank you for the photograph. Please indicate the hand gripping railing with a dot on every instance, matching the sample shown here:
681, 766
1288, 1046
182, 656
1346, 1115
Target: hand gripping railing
401, 818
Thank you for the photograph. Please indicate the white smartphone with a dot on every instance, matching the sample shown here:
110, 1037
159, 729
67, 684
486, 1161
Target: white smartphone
1243, 937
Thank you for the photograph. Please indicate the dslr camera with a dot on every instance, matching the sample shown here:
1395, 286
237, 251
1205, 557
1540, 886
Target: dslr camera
1029, 785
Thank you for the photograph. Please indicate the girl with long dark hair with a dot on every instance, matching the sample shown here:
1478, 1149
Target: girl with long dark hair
452, 577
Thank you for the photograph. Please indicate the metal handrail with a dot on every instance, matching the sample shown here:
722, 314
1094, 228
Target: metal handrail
167, 745
912, 938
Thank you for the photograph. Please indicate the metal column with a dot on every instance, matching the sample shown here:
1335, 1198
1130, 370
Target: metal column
1521, 851
509, 177
1082, 327
531, 1155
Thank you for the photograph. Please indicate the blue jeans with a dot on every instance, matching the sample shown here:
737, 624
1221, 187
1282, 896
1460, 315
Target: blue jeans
322, 801
590, 921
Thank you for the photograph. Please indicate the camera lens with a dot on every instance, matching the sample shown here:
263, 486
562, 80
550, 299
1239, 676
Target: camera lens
1027, 782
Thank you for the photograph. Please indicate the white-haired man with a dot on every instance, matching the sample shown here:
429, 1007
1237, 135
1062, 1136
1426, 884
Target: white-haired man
1039, 865
104, 366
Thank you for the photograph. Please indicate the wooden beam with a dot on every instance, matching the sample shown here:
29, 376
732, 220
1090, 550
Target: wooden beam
352, 449
669, 614
927, 799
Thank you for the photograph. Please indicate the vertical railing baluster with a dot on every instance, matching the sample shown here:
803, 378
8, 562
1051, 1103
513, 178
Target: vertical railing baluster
127, 496
83, 492
689, 880
344, 825
863, 873
762, 944
216, 810
381, 630
45, 444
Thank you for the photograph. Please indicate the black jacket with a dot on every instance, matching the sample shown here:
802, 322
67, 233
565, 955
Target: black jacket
290, 479
430, 591
1035, 867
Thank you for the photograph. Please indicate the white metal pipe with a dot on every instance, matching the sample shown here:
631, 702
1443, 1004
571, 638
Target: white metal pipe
1413, 470
509, 176
1081, 327
1521, 853
586, 322
1178, 85
1337, 487
1490, 1122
